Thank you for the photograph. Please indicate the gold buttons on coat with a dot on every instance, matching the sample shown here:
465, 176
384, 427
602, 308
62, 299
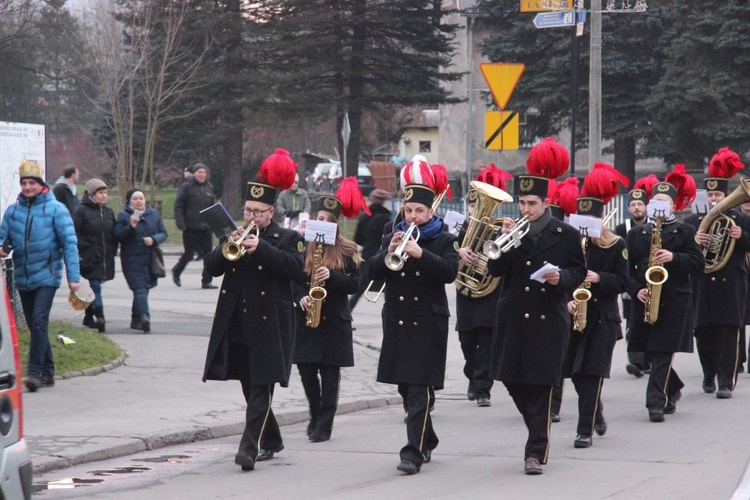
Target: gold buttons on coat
527, 289
401, 298
416, 299
400, 323
264, 318
526, 315
417, 274
403, 274
528, 262
262, 294
260, 268
544, 289
415, 324
543, 317
713, 278
223, 292
244, 311
234, 269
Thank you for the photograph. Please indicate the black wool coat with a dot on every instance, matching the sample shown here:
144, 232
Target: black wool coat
590, 352
191, 199
721, 295
97, 246
369, 231
415, 313
331, 342
252, 337
532, 323
673, 329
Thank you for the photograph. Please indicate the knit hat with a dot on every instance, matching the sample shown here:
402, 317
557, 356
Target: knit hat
197, 167
131, 192
348, 200
94, 185
31, 169
276, 174
722, 167
547, 160
380, 195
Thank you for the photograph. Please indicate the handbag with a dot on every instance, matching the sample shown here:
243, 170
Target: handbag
157, 269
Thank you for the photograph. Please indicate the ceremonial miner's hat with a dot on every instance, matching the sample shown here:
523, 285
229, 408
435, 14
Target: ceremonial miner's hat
276, 173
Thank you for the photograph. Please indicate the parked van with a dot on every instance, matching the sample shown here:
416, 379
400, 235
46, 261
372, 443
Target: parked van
15, 460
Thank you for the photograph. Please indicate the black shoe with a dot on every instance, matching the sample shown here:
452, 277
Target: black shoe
146, 324
48, 381
532, 467
408, 467
135, 324
319, 436
671, 405
176, 278
245, 461
209, 286
101, 324
724, 393
634, 370
582, 441
601, 427
33, 383
427, 456
311, 427
471, 392
483, 402
656, 415
89, 322
709, 387
268, 454
554, 417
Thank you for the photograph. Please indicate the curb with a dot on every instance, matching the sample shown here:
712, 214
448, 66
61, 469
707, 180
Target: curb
156, 441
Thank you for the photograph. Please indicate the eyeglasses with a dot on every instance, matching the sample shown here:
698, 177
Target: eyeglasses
256, 213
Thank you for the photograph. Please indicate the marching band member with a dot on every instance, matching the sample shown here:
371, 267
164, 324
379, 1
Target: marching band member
532, 323
252, 337
321, 350
476, 315
681, 255
721, 294
415, 313
637, 200
589, 356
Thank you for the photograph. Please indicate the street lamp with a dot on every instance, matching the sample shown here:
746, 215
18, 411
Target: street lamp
469, 10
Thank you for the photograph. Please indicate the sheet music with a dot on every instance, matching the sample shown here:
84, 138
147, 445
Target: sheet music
317, 229
586, 225
658, 208
454, 221
546, 268
701, 205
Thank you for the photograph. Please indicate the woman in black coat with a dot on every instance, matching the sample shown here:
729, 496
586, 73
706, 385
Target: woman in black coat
139, 228
94, 223
323, 350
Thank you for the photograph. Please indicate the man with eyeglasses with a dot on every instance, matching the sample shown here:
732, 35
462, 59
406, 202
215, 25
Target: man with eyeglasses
252, 338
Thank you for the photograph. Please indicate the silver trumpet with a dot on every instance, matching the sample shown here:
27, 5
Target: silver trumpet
395, 260
493, 249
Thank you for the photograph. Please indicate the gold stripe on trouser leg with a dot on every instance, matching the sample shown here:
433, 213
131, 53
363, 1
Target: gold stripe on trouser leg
736, 358
424, 422
265, 421
596, 405
549, 422
666, 382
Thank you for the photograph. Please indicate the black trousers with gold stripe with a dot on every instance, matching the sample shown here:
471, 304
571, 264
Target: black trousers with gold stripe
589, 388
261, 428
476, 345
663, 381
419, 432
719, 351
322, 395
533, 402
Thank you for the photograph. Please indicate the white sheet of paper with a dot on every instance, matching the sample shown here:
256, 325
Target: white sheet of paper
454, 221
700, 204
657, 208
546, 268
321, 229
586, 225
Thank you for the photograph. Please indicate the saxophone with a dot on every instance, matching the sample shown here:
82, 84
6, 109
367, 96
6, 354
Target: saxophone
656, 275
317, 293
581, 295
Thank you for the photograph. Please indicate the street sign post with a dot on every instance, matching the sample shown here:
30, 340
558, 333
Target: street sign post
558, 19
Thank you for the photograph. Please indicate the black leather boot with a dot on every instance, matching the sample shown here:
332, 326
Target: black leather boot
100, 322
88, 317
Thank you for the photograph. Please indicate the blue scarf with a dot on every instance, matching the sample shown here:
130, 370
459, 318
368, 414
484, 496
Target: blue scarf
429, 230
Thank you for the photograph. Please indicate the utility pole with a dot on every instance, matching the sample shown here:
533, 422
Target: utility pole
595, 83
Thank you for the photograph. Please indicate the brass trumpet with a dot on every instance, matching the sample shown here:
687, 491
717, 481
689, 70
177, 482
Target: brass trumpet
232, 250
506, 242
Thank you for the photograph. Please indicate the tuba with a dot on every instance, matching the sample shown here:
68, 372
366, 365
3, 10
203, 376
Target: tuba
473, 279
656, 275
717, 225
232, 250
317, 293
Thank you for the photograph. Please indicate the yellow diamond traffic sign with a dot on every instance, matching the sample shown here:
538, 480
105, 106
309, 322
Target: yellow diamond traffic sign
501, 130
502, 79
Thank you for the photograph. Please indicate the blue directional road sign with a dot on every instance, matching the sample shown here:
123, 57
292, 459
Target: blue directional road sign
558, 19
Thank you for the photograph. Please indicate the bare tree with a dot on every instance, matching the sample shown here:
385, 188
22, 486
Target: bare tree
16, 20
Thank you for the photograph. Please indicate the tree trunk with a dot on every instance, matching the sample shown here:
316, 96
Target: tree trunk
625, 157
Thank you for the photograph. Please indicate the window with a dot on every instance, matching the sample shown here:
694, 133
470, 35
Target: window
425, 146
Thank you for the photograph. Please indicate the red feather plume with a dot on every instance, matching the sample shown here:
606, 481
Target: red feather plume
548, 159
441, 181
647, 184
494, 176
685, 185
602, 182
278, 170
725, 163
566, 195
351, 198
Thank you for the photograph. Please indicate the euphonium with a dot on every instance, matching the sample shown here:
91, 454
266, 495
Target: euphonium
717, 225
656, 275
473, 279
581, 295
507, 242
232, 250
317, 293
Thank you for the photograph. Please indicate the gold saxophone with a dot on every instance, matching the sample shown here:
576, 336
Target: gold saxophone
317, 293
581, 295
656, 275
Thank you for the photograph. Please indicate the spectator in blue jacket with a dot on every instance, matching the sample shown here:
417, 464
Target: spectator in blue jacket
39, 231
139, 228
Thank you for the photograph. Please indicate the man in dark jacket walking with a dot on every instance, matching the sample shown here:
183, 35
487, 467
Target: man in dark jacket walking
65, 189
195, 194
